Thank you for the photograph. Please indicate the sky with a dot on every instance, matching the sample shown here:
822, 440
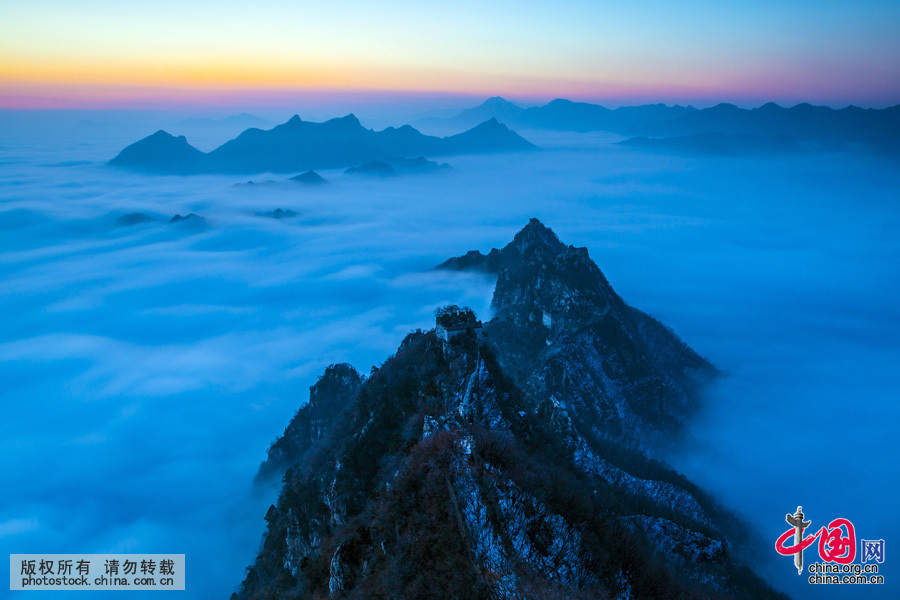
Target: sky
106, 54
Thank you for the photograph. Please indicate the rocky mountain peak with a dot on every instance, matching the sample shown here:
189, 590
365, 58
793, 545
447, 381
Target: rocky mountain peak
557, 321
337, 383
533, 235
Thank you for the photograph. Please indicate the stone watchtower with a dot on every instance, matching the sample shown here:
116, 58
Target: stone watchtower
451, 321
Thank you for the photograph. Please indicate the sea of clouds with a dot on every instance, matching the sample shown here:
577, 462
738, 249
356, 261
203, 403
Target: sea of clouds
145, 369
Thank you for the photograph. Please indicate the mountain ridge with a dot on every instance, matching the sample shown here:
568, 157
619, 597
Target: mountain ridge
298, 146
877, 129
562, 115
438, 476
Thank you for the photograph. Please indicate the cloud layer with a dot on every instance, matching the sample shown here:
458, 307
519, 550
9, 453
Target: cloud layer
146, 368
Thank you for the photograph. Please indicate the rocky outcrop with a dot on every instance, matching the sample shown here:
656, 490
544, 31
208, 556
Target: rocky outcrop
578, 349
332, 393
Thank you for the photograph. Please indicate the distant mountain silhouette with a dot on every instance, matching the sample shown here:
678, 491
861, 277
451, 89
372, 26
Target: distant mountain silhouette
397, 165
416, 166
269, 183
493, 108
876, 129
162, 153
192, 219
564, 115
803, 122
309, 178
717, 144
278, 213
299, 145
491, 134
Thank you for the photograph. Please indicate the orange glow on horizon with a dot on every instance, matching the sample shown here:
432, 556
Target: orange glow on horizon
41, 83
222, 83
230, 81
219, 73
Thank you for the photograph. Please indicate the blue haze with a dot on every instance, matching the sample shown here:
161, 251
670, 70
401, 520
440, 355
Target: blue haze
145, 369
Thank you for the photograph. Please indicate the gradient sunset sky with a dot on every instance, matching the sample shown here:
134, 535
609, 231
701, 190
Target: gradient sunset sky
124, 53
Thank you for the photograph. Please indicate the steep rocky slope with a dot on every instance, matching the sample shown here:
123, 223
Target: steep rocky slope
475, 465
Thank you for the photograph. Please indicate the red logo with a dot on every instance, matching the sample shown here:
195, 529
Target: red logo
837, 540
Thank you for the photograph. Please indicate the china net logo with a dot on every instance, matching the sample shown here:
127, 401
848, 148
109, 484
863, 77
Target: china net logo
837, 550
